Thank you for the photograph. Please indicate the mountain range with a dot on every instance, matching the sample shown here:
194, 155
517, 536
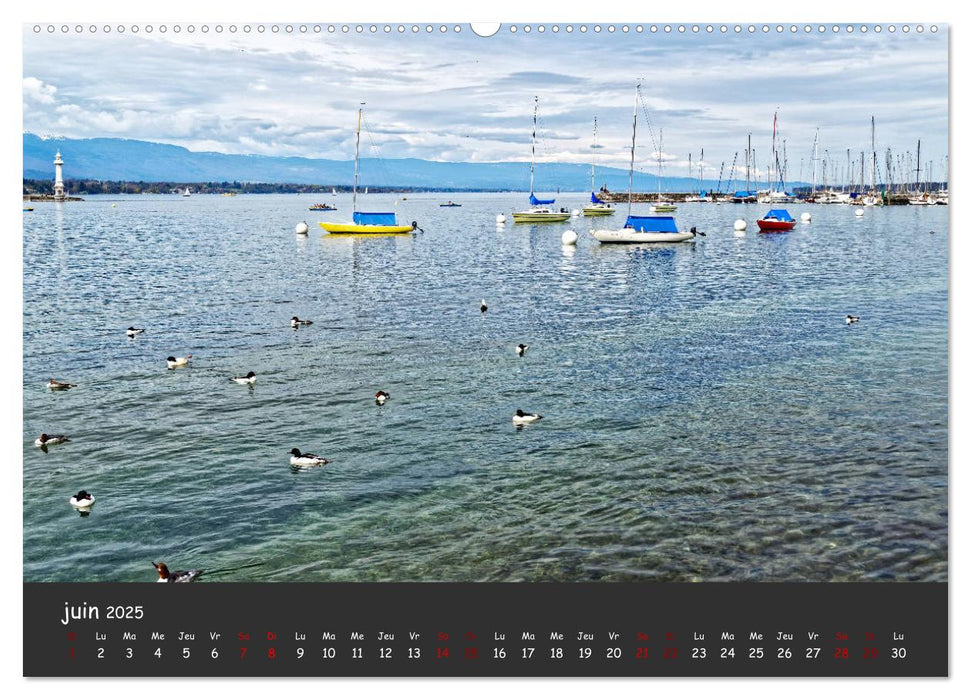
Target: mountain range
147, 161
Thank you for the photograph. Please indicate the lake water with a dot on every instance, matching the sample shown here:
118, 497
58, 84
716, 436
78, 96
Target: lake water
708, 415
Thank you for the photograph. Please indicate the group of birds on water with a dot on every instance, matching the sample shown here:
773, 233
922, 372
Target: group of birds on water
83, 501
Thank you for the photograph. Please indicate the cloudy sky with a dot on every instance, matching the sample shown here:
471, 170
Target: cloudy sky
459, 97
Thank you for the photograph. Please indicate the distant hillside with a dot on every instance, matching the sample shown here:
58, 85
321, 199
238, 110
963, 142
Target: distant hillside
146, 161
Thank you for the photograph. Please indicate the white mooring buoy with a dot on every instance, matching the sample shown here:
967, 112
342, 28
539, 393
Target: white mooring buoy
575, 213
859, 212
806, 217
302, 228
500, 218
740, 225
569, 238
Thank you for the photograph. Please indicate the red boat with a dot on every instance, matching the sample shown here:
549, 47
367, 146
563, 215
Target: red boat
776, 220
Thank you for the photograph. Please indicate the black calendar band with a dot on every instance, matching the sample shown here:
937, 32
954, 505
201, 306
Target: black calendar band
487, 629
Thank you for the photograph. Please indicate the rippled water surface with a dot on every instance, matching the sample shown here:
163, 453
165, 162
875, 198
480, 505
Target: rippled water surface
708, 415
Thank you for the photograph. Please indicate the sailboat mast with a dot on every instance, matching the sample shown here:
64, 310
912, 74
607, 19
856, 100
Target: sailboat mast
357, 153
592, 165
815, 158
775, 156
633, 143
917, 186
748, 185
660, 150
873, 148
701, 172
849, 172
532, 155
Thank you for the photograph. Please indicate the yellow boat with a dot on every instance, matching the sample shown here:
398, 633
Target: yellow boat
369, 229
538, 215
539, 211
598, 209
597, 206
366, 223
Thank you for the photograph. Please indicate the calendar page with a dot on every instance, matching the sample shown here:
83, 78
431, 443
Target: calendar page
546, 349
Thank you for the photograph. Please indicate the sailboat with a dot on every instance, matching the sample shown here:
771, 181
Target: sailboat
369, 223
873, 198
775, 196
186, 193
597, 206
539, 211
660, 206
642, 229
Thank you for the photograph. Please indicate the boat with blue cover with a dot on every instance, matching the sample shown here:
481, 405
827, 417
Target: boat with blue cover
776, 220
645, 229
539, 210
597, 206
642, 229
367, 223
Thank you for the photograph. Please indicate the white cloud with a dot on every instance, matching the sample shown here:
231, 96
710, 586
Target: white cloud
440, 97
38, 91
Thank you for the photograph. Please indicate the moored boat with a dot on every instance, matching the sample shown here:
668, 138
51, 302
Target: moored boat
645, 229
374, 223
322, 207
776, 220
597, 206
366, 223
539, 211
641, 229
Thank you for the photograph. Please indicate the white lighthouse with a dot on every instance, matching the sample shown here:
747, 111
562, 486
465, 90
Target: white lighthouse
58, 178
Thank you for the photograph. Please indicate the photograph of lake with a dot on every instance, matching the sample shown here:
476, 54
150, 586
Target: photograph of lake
413, 306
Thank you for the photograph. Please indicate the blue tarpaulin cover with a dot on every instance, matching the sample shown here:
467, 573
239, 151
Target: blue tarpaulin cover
653, 224
536, 202
375, 218
594, 199
743, 193
780, 214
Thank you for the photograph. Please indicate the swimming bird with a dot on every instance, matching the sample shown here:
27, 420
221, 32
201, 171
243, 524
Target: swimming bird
55, 385
522, 418
44, 440
381, 397
521, 349
248, 379
132, 331
82, 499
306, 459
296, 322
166, 576
482, 307
851, 319
178, 361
